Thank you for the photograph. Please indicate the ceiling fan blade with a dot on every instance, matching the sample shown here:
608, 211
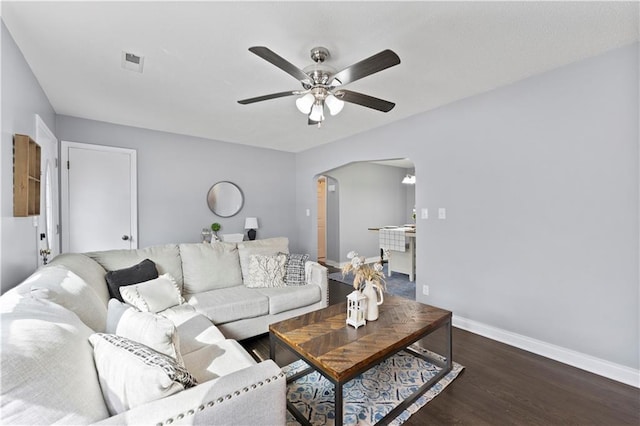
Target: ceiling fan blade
277, 60
364, 100
378, 62
267, 97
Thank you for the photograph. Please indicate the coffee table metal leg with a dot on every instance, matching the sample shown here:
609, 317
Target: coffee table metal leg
338, 404
272, 347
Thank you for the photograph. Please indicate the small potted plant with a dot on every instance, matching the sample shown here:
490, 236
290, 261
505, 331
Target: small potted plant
215, 227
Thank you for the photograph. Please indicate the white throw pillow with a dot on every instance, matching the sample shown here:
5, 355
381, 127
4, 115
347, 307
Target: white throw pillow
210, 266
154, 295
132, 374
150, 329
268, 246
266, 271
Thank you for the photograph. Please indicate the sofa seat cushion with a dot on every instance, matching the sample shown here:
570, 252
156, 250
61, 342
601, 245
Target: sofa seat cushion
62, 286
210, 266
287, 298
166, 257
217, 360
195, 330
230, 304
48, 374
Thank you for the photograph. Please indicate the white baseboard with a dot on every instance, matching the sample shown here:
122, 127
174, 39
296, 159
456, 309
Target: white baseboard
601, 367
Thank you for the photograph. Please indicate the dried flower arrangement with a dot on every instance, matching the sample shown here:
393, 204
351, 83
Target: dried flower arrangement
363, 272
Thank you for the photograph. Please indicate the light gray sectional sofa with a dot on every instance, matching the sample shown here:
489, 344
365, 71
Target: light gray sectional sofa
70, 354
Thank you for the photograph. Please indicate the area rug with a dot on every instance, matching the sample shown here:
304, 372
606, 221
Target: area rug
368, 397
397, 284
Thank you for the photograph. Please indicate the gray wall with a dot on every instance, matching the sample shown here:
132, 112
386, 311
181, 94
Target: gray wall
22, 99
175, 173
540, 182
370, 195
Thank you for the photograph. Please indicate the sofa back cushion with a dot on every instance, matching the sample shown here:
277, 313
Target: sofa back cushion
268, 247
58, 284
87, 269
210, 266
166, 257
48, 373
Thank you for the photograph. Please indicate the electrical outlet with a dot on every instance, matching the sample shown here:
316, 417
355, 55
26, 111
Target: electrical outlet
442, 213
425, 289
424, 213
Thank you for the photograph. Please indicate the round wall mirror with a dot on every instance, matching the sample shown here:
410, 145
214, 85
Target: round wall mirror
225, 199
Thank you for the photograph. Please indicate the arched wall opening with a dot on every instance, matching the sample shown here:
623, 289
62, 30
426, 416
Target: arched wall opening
359, 196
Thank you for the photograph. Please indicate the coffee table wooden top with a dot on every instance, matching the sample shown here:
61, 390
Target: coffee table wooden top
324, 339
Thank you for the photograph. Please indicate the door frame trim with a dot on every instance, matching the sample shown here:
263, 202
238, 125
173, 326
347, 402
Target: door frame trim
43, 130
64, 189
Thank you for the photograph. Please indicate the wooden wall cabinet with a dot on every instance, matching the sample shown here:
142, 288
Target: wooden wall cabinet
26, 176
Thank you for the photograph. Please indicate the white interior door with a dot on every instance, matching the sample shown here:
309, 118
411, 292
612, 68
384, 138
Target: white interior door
48, 234
99, 198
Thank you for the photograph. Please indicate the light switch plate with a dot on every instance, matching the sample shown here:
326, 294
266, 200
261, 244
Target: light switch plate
442, 213
424, 214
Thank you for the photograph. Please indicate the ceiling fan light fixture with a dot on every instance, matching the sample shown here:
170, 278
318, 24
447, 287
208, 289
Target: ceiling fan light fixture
317, 113
335, 105
305, 103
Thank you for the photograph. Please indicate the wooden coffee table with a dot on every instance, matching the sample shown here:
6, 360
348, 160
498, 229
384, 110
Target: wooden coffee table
340, 352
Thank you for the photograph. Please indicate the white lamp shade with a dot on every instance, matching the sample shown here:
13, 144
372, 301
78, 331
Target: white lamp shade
305, 102
316, 112
409, 180
251, 223
335, 105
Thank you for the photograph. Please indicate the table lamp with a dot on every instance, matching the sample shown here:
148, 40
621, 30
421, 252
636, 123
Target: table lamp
251, 223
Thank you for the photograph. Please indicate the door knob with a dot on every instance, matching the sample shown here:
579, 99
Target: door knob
125, 237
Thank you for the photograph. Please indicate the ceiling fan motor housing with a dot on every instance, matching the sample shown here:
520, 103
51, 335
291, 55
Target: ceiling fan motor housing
319, 73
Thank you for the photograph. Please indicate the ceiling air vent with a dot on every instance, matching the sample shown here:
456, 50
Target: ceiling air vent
132, 62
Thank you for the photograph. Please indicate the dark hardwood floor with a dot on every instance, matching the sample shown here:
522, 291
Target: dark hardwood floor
503, 385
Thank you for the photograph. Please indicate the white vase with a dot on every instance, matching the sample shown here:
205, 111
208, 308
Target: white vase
372, 292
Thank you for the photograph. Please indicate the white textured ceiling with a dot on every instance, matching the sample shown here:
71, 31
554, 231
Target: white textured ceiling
197, 64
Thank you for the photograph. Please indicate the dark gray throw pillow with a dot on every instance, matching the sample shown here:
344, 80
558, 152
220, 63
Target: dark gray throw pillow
143, 271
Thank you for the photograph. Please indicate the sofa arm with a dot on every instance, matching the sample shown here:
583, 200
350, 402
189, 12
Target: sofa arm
317, 274
252, 396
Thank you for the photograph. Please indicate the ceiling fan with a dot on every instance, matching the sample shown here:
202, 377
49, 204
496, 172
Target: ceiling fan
322, 85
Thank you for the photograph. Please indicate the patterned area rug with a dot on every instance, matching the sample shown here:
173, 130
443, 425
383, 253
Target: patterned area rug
368, 397
397, 284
